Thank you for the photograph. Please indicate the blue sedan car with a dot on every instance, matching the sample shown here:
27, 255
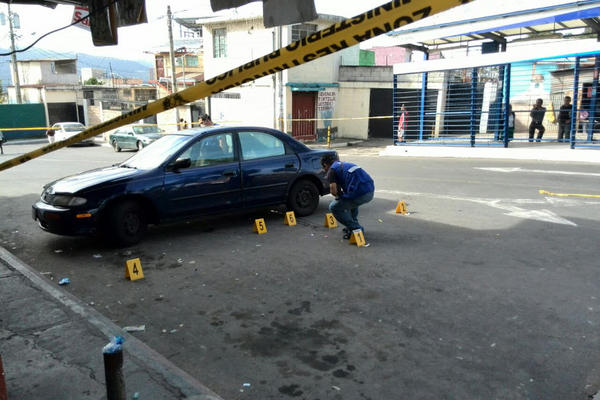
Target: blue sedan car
196, 172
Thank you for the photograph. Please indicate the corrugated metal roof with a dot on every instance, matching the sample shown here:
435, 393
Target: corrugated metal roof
480, 20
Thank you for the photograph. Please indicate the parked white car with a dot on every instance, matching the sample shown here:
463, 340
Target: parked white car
64, 130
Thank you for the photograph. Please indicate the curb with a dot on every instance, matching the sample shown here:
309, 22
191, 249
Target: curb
559, 155
159, 365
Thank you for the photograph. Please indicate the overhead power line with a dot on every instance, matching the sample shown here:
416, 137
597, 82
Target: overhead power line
59, 29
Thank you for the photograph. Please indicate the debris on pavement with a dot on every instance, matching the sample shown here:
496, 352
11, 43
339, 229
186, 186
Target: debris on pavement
97, 256
58, 251
138, 328
64, 281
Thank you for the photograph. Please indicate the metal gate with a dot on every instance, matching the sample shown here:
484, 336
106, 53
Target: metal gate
303, 107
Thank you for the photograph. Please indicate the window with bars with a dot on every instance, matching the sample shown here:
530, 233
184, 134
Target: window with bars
220, 43
300, 31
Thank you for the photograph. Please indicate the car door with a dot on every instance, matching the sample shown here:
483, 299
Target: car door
59, 134
268, 167
212, 182
129, 141
118, 136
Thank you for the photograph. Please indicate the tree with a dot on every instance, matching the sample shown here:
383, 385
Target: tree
93, 81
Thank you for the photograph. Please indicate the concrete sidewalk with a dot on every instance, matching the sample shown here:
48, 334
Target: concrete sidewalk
51, 346
516, 151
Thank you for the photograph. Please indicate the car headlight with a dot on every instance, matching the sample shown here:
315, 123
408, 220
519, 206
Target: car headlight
146, 140
65, 200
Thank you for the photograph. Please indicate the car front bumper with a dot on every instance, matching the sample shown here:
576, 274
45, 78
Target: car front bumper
64, 221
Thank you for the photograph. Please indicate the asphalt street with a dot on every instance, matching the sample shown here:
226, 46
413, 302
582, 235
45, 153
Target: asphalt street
486, 289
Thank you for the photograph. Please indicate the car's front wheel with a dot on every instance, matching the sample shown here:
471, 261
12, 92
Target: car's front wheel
303, 198
140, 145
115, 145
126, 224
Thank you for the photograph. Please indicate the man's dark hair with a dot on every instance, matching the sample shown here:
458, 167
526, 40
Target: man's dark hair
328, 159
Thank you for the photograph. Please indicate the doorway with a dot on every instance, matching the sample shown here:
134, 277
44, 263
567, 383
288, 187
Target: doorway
303, 107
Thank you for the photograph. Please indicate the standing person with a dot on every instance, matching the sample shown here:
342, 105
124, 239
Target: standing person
205, 120
510, 132
1, 142
402, 123
182, 124
537, 116
352, 187
50, 134
564, 121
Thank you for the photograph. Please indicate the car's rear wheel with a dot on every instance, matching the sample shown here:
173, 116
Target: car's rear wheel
140, 145
126, 224
303, 198
115, 146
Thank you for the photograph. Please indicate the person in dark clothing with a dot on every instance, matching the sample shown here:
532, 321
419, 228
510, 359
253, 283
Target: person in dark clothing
537, 116
564, 121
206, 121
352, 187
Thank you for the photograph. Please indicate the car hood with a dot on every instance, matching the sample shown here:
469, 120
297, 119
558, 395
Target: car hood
90, 179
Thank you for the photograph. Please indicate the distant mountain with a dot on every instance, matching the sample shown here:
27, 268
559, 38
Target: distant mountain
139, 69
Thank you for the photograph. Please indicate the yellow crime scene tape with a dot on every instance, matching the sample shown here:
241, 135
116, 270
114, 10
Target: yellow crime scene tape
595, 196
342, 35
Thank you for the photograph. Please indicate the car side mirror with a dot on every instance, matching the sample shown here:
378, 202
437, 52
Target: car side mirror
180, 163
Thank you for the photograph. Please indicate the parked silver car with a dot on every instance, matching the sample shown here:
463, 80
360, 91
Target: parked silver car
134, 137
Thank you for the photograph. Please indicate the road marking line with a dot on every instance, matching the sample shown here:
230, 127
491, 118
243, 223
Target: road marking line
513, 211
594, 196
538, 171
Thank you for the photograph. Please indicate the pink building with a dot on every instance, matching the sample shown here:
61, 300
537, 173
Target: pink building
391, 55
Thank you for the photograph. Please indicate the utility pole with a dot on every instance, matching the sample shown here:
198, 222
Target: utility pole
282, 125
172, 57
112, 76
13, 56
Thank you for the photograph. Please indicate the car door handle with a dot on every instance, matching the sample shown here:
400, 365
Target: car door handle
230, 173
289, 165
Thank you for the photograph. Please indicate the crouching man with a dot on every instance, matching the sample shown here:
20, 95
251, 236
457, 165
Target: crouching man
352, 187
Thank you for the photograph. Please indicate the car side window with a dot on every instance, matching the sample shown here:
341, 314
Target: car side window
212, 150
260, 145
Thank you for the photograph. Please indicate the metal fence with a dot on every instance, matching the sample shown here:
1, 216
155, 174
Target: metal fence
468, 106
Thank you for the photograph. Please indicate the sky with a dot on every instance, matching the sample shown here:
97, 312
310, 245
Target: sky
37, 20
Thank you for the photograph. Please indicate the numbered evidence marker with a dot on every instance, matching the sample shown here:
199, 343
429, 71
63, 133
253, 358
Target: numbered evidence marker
401, 208
330, 221
133, 269
357, 237
259, 226
290, 218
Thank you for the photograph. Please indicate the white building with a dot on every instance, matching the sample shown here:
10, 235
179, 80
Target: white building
52, 82
303, 92
88, 73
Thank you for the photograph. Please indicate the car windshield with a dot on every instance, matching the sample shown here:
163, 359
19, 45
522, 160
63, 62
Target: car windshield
144, 130
73, 127
157, 153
